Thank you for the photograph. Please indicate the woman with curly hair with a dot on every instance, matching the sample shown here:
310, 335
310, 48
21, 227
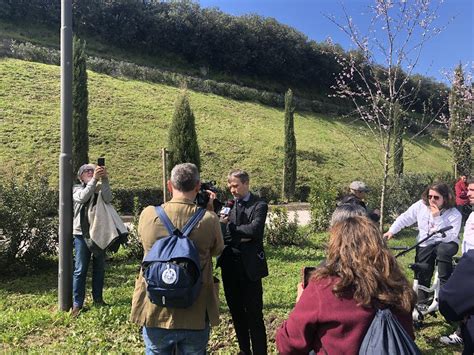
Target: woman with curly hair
360, 275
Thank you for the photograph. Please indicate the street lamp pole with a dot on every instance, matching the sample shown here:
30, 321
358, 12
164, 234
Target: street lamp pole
65, 162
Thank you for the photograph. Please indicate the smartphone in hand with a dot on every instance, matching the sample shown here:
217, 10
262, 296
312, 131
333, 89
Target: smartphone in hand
101, 161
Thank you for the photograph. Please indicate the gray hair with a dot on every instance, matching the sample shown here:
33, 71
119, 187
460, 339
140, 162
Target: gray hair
347, 210
242, 175
185, 177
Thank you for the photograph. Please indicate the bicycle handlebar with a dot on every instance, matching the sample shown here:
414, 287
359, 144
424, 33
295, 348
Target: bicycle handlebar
442, 231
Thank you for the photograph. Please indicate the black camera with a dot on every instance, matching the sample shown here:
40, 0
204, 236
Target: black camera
202, 198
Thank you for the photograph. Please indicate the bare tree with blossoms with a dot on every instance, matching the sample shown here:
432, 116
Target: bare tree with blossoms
376, 76
460, 120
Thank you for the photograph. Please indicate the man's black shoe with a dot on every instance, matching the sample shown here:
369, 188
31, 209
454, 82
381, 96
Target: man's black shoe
100, 303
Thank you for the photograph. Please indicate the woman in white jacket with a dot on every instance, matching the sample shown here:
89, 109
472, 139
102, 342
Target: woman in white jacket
435, 210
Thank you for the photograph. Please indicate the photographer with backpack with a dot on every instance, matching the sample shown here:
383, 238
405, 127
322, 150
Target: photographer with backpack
167, 324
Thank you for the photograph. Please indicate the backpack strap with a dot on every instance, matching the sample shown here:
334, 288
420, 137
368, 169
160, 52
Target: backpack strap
196, 217
188, 227
165, 220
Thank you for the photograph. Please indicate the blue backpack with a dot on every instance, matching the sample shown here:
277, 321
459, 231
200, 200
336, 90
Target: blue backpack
172, 268
386, 336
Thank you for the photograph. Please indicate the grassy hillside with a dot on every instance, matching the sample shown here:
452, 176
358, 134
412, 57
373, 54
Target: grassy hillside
129, 122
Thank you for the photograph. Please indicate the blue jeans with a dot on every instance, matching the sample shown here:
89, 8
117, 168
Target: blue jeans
163, 341
82, 258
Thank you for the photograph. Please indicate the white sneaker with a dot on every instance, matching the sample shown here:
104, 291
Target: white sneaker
452, 339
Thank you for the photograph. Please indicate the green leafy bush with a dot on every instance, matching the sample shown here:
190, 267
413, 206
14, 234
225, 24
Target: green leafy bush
281, 231
124, 199
28, 221
30, 52
322, 198
134, 248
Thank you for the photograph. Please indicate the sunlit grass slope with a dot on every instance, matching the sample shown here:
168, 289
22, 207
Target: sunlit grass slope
129, 120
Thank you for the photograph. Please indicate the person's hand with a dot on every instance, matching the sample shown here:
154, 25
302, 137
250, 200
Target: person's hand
212, 197
98, 172
299, 291
388, 235
224, 219
435, 212
105, 173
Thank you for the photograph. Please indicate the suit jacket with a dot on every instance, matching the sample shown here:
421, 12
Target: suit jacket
456, 299
245, 230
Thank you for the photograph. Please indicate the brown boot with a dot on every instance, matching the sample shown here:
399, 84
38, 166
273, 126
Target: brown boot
75, 311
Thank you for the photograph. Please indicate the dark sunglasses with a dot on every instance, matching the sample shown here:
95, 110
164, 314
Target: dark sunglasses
435, 197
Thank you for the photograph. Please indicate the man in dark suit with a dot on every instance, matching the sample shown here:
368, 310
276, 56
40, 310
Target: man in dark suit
243, 263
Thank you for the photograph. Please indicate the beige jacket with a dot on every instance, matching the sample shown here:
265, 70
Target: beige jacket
207, 237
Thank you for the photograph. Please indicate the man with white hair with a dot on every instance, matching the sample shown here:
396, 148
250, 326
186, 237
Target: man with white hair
92, 179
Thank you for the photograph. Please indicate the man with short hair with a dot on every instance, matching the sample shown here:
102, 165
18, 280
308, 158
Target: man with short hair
358, 192
244, 264
186, 329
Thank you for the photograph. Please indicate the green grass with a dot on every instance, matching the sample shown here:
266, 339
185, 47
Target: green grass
129, 120
29, 319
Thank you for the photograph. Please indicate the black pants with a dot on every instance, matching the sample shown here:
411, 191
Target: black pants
443, 254
244, 298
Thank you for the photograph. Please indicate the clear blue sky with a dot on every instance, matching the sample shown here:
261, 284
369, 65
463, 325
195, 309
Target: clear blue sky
442, 53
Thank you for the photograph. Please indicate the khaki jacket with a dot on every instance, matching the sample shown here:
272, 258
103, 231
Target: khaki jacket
207, 237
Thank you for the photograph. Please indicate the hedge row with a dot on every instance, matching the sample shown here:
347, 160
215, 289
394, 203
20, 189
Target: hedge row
30, 52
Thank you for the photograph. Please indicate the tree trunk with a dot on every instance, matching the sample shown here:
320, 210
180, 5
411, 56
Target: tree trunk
384, 184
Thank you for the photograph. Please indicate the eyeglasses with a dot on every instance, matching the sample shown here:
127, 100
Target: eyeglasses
435, 197
88, 171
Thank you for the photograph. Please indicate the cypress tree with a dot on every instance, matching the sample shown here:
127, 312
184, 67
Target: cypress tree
182, 138
80, 104
460, 123
289, 173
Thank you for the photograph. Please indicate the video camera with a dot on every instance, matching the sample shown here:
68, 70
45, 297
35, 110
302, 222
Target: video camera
202, 197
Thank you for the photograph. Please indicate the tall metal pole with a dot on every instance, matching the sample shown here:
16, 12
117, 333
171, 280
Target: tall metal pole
65, 162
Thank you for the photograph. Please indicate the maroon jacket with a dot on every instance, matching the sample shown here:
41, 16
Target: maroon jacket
326, 324
461, 193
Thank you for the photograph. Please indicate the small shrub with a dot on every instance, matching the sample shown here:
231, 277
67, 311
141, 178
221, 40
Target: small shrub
32, 53
28, 221
134, 248
322, 199
281, 231
124, 199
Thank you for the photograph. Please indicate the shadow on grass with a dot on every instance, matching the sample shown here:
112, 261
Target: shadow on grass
118, 271
37, 282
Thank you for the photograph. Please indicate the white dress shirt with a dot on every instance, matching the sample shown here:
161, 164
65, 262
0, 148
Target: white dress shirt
421, 214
